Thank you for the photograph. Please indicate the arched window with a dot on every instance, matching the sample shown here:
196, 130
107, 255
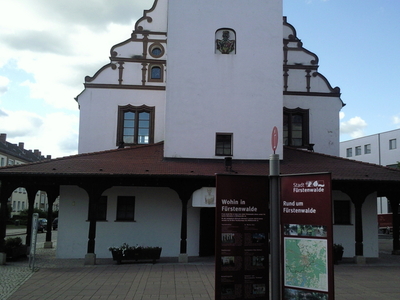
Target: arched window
156, 73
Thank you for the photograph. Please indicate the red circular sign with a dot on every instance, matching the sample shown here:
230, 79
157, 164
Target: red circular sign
274, 138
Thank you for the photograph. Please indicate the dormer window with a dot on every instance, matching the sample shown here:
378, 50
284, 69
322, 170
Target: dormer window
135, 125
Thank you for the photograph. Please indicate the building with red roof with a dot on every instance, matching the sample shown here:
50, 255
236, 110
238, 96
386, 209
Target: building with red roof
196, 91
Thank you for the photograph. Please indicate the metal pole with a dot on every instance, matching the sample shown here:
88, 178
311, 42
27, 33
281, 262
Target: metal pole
275, 227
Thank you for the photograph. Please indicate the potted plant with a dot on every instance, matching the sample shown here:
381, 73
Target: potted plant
14, 248
126, 252
338, 250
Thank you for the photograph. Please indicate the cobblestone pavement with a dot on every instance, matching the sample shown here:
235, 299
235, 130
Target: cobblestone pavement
15, 273
373, 280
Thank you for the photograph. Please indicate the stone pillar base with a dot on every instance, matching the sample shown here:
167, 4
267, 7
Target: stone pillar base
90, 259
183, 258
360, 260
3, 257
48, 245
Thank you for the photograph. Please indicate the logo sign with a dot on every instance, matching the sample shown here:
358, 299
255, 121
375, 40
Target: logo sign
242, 226
274, 139
306, 226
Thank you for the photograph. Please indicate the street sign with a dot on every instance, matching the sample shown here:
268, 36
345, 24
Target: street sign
274, 139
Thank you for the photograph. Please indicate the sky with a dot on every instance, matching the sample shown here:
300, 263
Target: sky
48, 47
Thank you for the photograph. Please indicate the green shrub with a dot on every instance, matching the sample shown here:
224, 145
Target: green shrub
13, 242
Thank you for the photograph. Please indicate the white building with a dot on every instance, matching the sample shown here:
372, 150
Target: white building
381, 149
171, 81
199, 84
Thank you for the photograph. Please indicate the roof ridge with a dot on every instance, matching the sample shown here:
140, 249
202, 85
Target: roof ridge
83, 155
341, 158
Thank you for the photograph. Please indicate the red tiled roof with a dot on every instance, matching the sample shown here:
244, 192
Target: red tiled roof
149, 160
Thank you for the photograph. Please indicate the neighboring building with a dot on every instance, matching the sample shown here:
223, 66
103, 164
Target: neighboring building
381, 149
197, 90
12, 154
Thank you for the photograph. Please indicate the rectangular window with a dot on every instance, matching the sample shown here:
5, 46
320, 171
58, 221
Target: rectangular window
349, 152
295, 127
358, 150
126, 208
135, 125
223, 144
342, 212
367, 149
392, 144
101, 209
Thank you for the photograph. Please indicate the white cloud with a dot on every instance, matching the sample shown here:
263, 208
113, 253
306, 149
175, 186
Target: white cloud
4, 81
396, 120
354, 127
55, 134
53, 45
65, 41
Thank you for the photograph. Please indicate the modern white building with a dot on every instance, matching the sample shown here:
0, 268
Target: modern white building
381, 149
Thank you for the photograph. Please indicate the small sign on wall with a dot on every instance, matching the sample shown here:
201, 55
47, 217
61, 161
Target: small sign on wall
204, 197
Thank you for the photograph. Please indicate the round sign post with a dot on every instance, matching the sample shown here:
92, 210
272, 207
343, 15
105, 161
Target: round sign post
275, 218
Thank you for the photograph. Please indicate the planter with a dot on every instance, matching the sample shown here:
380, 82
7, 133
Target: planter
337, 256
14, 253
151, 254
14, 248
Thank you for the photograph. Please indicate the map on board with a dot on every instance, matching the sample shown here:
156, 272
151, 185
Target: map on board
306, 263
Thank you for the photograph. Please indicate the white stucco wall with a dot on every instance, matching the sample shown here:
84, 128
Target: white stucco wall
209, 93
345, 234
157, 215
99, 115
323, 118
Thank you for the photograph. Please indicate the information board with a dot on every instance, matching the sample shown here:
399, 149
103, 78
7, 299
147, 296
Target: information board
306, 226
242, 227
